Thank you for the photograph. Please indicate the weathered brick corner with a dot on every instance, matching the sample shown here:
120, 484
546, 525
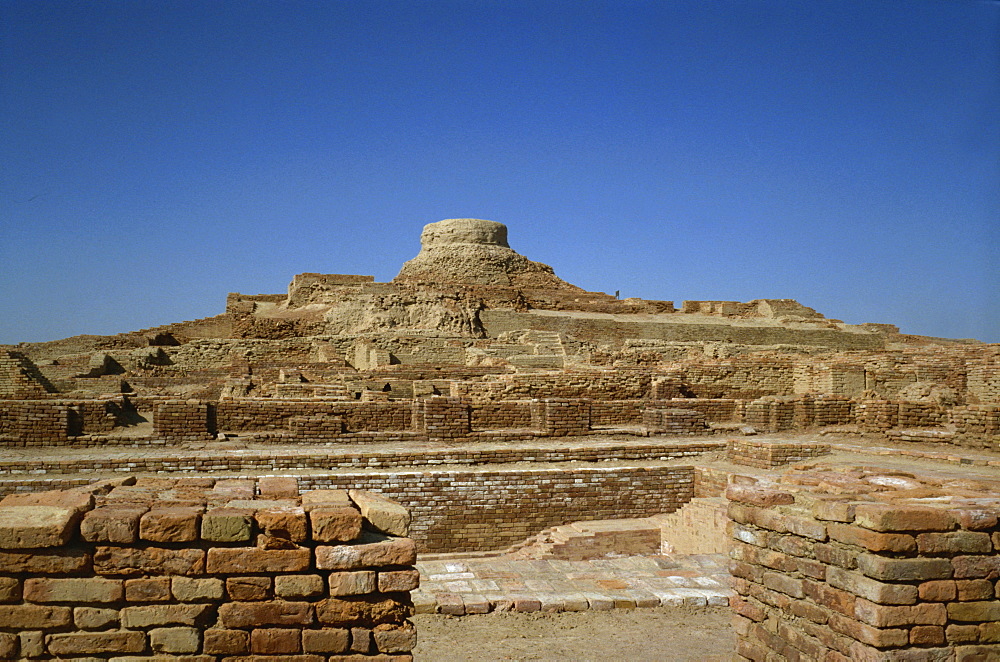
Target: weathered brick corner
206, 569
871, 576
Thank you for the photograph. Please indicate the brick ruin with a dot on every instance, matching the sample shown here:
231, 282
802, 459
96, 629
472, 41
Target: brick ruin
493, 401
205, 569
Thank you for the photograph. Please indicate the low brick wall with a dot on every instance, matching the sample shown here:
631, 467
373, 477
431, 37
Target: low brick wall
204, 568
469, 510
674, 421
765, 454
838, 578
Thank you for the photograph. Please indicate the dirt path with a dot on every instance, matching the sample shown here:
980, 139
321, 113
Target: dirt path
678, 635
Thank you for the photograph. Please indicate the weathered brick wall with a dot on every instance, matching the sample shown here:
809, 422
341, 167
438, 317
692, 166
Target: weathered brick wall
765, 454
843, 578
468, 510
34, 423
499, 415
674, 421
20, 378
184, 420
208, 569
252, 414
610, 413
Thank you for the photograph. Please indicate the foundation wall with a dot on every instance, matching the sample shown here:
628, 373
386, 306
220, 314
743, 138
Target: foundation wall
464, 511
205, 569
831, 578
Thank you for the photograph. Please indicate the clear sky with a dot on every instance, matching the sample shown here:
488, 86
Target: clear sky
155, 155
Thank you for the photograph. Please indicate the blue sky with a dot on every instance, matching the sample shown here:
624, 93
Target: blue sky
156, 155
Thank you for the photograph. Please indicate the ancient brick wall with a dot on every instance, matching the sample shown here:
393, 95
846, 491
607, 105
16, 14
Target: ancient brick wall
470, 510
613, 413
251, 414
673, 421
208, 569
20, 378
766, 454
843, 578
184, 420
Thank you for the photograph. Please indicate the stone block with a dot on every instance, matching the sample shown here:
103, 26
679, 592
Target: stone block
78, 500
29, 527
758, 496
242, 560
82, 590
339, 524
175, 640
382, 514
981, 611
383, 552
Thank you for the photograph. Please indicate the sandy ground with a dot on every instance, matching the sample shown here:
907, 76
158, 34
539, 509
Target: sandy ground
678, 635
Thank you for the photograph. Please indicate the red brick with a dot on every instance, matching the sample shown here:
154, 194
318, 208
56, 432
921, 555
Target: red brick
989, 632
361, 640
335, 524
805, 609
747, 609
274, 612
900, 517
76, 590
153, 589
758, 496
974, 611
226, 642
959, 634
179, 524
278, 487
239, 560
836, 511
395, 638
390, 581
870, 589
955, 542
830, 597
938, 590
327, 640
974, 589
34, 617
973, 567
903, 570
82, 643
289, 523
836, 554
275, 641
877, 637
388, 551
784, 584
362, 611
927, 635
10, 589
872, 540
148, 561
49, 562
27, 527
885, 616
976, 520
248, 588
166, 614
112, 524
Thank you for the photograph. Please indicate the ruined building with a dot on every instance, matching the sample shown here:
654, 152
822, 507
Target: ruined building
493, 399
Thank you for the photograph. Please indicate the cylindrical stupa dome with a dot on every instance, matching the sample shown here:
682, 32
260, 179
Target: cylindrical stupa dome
464, 231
